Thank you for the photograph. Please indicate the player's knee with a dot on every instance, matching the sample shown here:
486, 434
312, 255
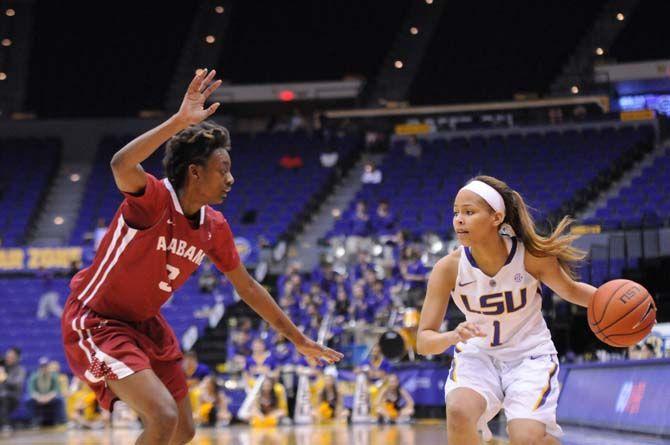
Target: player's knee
185, 433
526, 438
459, 418
164, 416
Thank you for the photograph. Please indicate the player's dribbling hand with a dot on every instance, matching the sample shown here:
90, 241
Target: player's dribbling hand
192, 110
316, 354
468, 330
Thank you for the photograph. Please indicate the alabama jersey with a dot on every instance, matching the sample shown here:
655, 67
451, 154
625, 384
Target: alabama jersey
507, 306
148, 252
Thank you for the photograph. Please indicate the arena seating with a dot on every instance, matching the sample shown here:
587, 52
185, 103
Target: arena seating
26, 165
547, 169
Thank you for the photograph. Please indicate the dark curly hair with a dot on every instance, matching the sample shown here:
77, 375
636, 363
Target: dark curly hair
193, 145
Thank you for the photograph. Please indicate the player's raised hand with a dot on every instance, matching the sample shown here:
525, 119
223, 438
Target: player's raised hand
468, 330
192, 109
317, 354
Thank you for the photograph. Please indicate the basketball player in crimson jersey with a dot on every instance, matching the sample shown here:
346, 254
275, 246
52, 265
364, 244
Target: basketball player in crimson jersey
115, 338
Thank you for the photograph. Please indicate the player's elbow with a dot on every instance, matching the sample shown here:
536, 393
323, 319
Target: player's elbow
421, 346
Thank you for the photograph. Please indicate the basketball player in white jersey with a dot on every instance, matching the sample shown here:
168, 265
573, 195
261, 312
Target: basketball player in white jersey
505, 358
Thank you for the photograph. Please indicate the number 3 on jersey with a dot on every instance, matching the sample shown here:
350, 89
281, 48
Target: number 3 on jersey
496, 334
173, 273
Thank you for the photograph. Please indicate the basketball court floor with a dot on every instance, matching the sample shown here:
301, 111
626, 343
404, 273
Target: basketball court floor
420, 433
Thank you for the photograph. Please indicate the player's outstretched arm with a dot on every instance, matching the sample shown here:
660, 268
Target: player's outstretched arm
262, 302
440, 284
128, 173
549, 271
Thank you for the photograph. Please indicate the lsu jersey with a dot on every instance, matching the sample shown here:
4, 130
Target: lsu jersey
506, 306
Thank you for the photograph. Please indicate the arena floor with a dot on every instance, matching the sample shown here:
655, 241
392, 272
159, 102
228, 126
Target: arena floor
424, 433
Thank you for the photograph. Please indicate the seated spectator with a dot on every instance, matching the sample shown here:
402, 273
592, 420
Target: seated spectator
395, 403
206, 277
270, 406
12, 378
48, 303
260, 362
413, 147
415, 274
45, 398
194, 370
212, 404
376, 365
330, 402
384, 224
82, 407
371, 174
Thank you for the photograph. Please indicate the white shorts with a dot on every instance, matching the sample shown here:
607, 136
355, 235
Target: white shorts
525, 388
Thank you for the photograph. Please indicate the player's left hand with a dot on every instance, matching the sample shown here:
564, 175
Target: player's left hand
192, 110
316, 353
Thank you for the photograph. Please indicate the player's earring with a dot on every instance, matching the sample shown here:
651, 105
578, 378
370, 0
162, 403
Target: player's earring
506, 230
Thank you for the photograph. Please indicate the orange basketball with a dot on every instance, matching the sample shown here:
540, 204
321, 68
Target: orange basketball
621, 313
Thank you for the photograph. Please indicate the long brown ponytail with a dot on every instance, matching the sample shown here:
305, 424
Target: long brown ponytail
517, 215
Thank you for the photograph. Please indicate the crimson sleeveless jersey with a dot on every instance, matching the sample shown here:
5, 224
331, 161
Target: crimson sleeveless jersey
143, 260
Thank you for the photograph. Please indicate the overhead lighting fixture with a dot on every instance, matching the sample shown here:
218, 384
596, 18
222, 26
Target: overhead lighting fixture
10, 12
620, 17
6, 42
398, 64
59, 220
219, 9
210, 39
574, 89
74, 177
600, 51
414, 30
430, 2
3, 76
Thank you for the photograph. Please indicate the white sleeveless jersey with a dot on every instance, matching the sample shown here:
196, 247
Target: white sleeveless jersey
507, 307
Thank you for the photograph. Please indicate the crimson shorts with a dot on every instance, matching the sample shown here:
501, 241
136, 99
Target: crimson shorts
98, 349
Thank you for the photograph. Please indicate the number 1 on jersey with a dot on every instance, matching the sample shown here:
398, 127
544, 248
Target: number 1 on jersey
173, 273
496, 334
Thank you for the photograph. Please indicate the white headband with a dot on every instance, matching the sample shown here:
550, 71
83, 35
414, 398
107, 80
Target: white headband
488, 194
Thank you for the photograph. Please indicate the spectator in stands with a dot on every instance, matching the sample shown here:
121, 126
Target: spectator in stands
45, 401
63, 388
644, 350
261, 361
206, 277
415, 274
413, 147
99, 233
270, 406
330, 402
194, 370
211, 405
12, 378
83, 410
384, 224
371, 174
375, 364
359, 229
48, 303
297, 122
396, 404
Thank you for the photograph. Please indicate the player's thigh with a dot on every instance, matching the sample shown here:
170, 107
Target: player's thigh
144, 392
529, 432
465, 405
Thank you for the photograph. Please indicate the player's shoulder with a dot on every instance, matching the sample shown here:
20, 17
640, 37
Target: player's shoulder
536, 263
449, 263
216, 217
